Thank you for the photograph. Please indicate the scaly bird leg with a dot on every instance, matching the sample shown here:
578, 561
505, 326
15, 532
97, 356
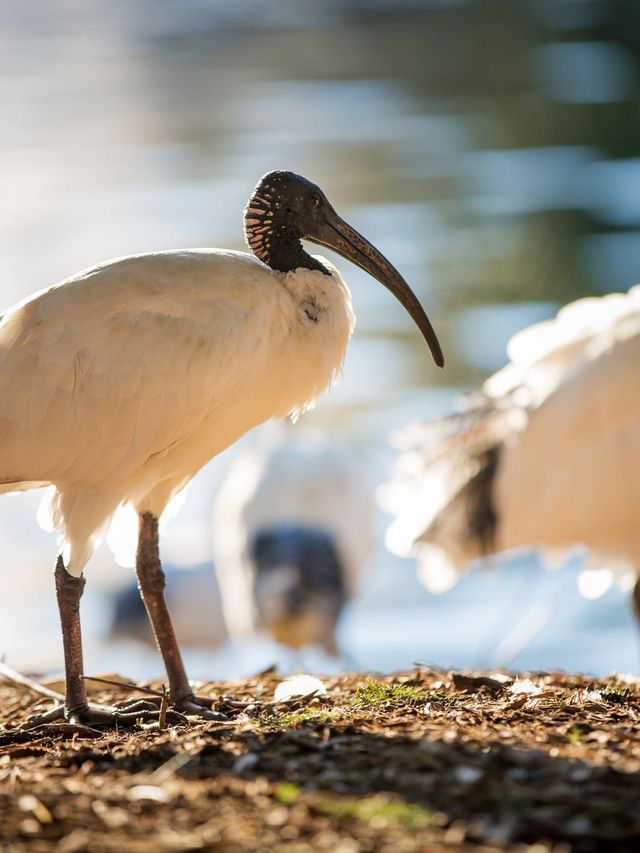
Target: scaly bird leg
69, 592
152, 582
76, 709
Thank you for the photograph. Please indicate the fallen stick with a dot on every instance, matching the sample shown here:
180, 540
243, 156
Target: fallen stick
17, 677
132, 688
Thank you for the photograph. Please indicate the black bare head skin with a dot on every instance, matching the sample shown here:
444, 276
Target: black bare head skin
283, 209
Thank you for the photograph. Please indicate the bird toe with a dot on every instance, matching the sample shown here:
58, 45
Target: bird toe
200, 707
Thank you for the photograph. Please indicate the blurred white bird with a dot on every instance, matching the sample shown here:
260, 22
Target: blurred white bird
292, 533
120, 383
547, 455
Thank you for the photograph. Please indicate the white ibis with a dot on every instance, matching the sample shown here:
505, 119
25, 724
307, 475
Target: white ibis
292, 533
547, 455
120, 383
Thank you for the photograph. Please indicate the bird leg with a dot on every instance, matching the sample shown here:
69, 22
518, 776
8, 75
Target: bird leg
76, 709
69, 592
152, 582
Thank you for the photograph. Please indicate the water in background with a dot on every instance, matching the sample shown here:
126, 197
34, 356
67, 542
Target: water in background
490, 149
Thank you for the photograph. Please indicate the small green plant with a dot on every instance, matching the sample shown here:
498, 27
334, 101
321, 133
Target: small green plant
377, 693
575, 735
375, 807
287, 793
316, 716
552, 703
618, 694
395, 813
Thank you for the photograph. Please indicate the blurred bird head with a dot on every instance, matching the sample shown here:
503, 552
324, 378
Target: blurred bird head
298, 586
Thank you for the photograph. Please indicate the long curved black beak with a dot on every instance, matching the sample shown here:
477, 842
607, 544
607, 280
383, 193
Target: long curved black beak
334, 233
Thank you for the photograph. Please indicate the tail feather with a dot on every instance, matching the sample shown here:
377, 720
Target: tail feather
442, 491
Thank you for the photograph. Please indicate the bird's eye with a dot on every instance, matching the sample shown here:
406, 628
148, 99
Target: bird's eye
315, 200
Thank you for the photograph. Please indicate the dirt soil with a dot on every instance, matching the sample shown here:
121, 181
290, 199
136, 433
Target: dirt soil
423, 760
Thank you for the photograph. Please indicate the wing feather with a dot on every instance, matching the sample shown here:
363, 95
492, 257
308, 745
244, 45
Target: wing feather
102, 372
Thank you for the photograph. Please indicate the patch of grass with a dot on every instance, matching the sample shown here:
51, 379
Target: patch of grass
317, 716
287, 793
372, 695
575, 735
377, 809
619, 694
552, 703
375, 694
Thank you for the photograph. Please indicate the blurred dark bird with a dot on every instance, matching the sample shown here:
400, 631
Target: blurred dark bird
547, 455
194, 601
299, 586
292, 534
120, 383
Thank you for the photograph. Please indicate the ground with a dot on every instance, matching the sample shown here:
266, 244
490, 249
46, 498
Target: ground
423, 760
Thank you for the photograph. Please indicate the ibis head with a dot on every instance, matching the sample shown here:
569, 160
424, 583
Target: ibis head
286, 208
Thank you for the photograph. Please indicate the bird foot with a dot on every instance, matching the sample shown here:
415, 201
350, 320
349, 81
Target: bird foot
125, 716
92, 717
190, 706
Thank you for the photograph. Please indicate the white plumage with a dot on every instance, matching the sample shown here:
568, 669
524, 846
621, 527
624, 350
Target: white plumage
102, 377
546, 456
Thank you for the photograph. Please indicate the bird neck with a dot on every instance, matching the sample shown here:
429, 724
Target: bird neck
274, 238
287, 254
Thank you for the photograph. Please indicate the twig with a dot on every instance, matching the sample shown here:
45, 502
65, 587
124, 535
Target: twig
25, 681
132, 688
164, 704
173, 765
65, 729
